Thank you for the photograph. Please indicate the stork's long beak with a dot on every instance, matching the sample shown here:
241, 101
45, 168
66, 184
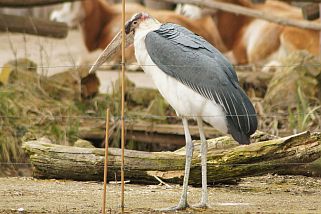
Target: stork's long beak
113, 47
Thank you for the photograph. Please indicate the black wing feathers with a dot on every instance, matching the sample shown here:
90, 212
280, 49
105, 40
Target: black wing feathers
193, 61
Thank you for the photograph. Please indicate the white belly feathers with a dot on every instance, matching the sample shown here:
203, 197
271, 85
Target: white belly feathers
183, 99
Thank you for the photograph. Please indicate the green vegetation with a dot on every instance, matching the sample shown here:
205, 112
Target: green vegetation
304, 115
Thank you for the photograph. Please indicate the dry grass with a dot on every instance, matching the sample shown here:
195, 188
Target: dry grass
28, 111
33, 106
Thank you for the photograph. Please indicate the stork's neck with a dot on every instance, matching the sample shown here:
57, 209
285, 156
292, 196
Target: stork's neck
141, 31
145, 27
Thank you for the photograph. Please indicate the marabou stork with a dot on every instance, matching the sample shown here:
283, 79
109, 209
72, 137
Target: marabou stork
195, 79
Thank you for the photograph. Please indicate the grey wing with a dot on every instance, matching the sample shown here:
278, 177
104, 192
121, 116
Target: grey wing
197, 64
190, 39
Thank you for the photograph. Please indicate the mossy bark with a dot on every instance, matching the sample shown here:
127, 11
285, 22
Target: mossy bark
290, 154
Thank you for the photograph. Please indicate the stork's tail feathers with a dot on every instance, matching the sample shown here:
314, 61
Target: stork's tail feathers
244, 122
238, 135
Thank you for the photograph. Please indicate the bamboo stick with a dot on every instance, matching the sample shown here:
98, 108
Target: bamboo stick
123, 46
106, 161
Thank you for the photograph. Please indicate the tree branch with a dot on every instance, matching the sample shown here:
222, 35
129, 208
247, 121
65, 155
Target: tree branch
252, 13
31, 3
29, 25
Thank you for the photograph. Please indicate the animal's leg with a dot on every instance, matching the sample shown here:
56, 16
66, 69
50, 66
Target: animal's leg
204, 199
189, 153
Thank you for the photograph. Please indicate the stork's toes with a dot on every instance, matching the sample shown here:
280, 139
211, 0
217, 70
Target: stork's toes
201, 205
177, 207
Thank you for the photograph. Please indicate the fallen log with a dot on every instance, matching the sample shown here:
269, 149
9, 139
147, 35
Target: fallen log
34, 26
146, 132
282, 155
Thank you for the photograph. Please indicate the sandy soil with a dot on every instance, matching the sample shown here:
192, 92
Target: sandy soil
264, 194
54, 55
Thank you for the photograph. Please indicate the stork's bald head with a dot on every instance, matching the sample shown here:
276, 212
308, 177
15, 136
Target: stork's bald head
134, 22
138, 21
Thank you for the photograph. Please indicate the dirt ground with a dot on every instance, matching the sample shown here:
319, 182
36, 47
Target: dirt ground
263, 194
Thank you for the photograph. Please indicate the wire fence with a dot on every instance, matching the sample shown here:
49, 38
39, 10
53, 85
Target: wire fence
132, 117
43, 69
45, 58
151, 116
109, 65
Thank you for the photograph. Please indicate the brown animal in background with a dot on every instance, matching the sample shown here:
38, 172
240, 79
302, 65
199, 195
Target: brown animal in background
101, 21
255, 40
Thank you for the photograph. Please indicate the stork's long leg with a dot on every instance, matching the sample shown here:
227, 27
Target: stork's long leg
204, 198
189, 154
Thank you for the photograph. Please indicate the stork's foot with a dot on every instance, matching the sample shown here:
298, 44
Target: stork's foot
201, 205
180, 206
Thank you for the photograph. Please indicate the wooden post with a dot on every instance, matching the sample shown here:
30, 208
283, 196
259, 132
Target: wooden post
123, 46
106, 161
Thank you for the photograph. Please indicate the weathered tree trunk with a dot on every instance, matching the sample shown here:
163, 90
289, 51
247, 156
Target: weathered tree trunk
34, 26
283, 155
164, 134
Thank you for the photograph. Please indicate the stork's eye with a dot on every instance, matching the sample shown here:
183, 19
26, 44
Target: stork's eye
135, 22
